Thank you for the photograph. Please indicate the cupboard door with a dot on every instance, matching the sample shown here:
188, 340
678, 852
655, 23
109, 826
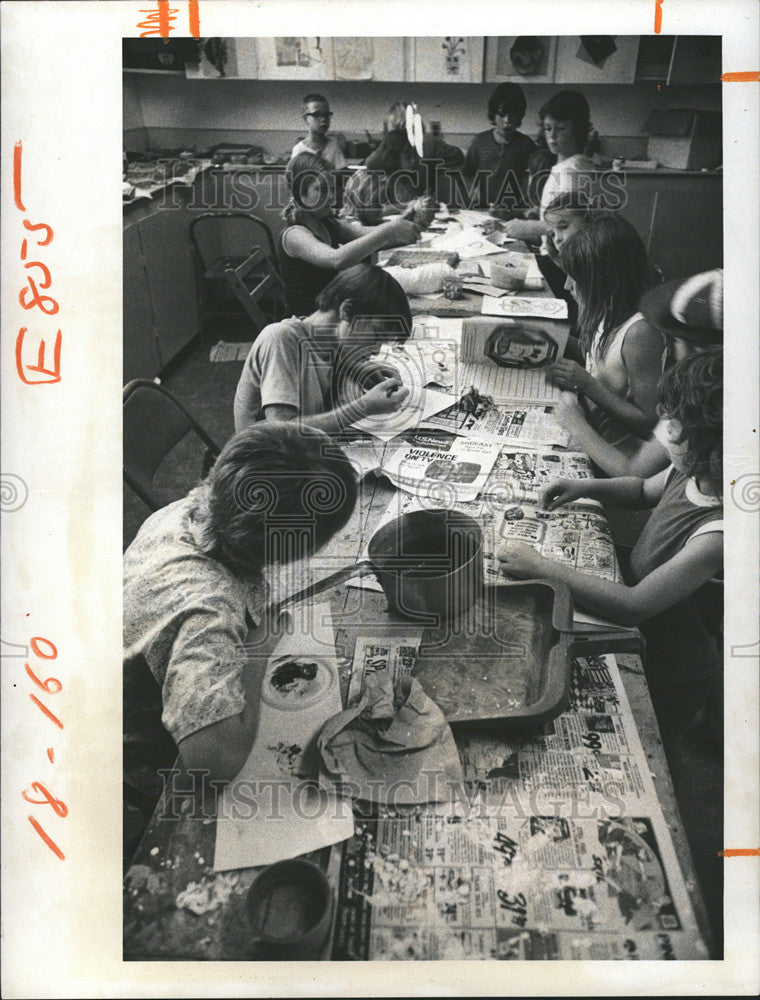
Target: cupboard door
520, 59
140, 347
450, 59
589, 59
171, 279
696, 59
687, 232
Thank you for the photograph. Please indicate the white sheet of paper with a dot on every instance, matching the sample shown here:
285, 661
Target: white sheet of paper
387, 425
524, 306
272, 810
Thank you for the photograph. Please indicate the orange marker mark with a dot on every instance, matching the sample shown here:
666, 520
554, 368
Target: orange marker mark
55, 372
51, 755
48, 840
657, 16
46, 710
17, 176
194, 18
740, 852
164, 22
752, 76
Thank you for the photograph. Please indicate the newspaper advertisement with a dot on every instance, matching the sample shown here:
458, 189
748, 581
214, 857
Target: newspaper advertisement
578, 534
555, 848
395, 654
528, 426
440, 465
521, 475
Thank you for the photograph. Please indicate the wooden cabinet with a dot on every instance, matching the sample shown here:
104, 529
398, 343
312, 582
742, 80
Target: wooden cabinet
160, 295
696, 59
587, 59
680, 59
140, 352
680, 219
508, 54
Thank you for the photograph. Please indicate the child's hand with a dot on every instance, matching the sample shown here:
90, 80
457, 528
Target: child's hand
570, 416
569, 375
521, 560
559, 492
402, 232
386, 397
371, 373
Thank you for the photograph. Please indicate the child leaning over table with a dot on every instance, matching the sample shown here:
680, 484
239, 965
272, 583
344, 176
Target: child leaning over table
679, 551
194, 585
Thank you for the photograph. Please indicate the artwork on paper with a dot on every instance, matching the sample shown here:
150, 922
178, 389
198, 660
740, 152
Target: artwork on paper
353, 58
454, 53
302, 52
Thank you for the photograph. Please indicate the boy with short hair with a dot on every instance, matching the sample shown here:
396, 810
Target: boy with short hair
501, 150
317, 115
194, 584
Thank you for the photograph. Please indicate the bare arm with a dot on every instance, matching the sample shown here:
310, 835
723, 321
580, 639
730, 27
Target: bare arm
299, 242
642, 354
626, 491
385, 397
649, 458
697, 562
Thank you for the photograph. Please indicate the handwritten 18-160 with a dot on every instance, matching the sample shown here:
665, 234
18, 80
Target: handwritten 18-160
40, 794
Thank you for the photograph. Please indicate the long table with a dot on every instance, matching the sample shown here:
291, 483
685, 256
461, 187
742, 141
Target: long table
177, 850
475, 915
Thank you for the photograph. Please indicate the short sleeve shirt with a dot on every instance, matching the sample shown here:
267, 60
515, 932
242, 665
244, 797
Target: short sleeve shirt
187, 616
331, 152
282, 368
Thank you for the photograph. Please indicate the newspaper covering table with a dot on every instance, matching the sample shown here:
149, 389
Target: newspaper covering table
555, 847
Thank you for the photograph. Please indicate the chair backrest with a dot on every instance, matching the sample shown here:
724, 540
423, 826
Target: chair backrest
230, 235
154, 423
252, 280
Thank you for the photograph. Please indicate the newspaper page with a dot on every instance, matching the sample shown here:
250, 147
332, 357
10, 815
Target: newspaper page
440, 465
554, 848
528, 426
521, 475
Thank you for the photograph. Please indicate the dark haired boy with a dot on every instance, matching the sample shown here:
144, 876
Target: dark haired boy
501, 153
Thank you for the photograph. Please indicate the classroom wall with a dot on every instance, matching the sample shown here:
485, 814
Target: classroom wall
269, 111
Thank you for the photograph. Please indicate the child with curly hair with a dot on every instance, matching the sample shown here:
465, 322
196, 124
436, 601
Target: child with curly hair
677, 554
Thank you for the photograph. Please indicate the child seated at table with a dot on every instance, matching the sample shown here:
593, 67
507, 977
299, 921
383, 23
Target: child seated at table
607, 270
411, 175
690, 311
317, 115
366, 200
316, 244
501, 153
559, 165
194, 584
679, 551
301, 367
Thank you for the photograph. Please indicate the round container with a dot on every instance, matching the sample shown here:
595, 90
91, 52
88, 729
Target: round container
429, 564
511, 277
290, 909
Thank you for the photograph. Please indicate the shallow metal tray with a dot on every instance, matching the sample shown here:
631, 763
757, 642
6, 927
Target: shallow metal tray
508, 662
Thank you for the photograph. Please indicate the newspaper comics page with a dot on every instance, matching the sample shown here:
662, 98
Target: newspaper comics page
520, 475
523, 425
554, 848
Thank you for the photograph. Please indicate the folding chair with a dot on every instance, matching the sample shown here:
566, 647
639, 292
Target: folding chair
154, 424
223, 240
255, 280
